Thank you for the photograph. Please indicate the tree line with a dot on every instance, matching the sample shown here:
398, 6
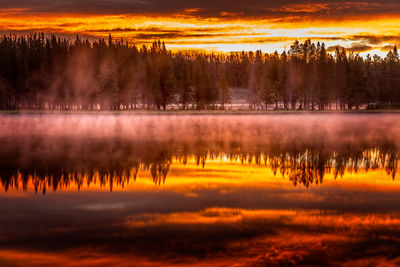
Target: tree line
49, 72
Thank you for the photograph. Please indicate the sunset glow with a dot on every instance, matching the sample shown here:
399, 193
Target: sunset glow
363, 26
209, 133
131, 189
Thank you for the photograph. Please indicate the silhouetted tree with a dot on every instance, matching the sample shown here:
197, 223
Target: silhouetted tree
47, 72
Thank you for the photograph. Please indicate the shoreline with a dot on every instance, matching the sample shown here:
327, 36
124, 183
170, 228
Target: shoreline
199, 112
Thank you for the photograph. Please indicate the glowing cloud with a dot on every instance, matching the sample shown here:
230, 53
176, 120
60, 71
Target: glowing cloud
223, 26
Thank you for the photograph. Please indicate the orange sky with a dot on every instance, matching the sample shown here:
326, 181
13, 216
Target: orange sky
362, 26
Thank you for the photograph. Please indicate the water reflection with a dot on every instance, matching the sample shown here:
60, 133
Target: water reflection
285, 190
305, 168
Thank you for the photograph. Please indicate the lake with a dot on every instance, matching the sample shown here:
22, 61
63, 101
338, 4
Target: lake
203, 190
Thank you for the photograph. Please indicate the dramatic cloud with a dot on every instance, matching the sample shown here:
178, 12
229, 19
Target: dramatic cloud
212, 25
208, 8
358, 47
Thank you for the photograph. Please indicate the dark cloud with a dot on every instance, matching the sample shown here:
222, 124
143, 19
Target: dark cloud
367, 42
387, 48
375, 39
149, 29
354, 47
358, 47
209, 8
166, 33
333, 48
167, 30
174, 35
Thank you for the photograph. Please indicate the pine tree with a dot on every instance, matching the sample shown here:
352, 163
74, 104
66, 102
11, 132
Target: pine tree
224, 92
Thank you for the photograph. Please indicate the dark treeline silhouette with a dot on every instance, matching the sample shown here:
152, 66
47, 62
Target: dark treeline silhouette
39, 72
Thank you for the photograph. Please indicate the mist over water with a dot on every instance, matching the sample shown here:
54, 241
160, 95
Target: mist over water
57, 144
253, 190
300, 128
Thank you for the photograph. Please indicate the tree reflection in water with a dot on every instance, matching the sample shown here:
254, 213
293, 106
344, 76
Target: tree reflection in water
302, 168
110, 150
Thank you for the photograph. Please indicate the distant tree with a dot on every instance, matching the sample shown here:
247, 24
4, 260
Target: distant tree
108, 81
39, 71
224, 92
392, 77
269, 92
255, 80
340, 76
166, 82
182, 81
202, 85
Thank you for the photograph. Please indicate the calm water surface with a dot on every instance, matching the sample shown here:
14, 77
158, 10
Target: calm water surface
220, 190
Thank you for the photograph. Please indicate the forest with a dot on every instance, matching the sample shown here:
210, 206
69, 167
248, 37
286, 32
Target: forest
48, 72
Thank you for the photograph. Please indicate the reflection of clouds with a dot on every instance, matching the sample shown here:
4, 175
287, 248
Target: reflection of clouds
75, 258
103, 206
231, 211
316, 219
282, 237
222, 236
250, 225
